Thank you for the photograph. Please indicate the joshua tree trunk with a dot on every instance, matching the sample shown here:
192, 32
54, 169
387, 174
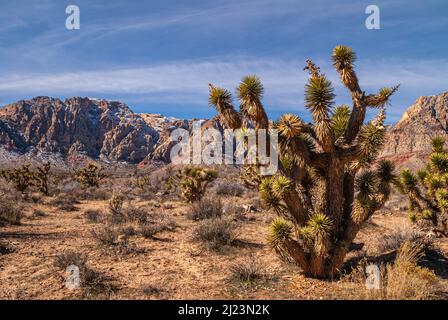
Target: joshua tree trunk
324, 190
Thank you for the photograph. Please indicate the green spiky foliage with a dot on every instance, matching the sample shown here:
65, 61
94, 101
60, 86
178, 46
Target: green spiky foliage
41, 178
90, 176
192, 182
325, 189
427, 190
22, 178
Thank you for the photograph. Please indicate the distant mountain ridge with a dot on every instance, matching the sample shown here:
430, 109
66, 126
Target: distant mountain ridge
96, 128
408, 142
110, 131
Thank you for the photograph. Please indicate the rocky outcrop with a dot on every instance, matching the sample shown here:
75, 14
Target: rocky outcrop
96, 128
409, 141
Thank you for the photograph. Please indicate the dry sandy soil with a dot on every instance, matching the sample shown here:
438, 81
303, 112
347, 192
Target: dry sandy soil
171, 267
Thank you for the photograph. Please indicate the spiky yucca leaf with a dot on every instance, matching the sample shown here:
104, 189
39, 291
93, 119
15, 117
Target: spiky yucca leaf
279, 231
289, 126
413, 217
371, 138
437, 144
219, 96
281, 185
408, 181
319, 95
288, 163
320, 224
385, 171
439, 162
381, 99
361, 208
319, 99
268, 195
250, 88
422, 174
366, 183
343, 57
221, 99
320, 227
250, 91
442, 198
339, 120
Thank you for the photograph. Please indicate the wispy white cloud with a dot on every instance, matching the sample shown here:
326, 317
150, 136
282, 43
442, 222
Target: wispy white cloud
186, 82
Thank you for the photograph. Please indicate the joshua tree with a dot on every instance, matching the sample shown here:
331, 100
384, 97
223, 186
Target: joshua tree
41, 178
428, 190
192, 182
22, 178
90, 176
324, 190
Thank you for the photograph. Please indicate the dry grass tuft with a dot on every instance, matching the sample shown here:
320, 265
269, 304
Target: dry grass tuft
215, 233
206, 208
402, 280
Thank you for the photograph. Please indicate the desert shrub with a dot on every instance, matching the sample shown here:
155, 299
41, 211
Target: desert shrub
215, 233
205, 209
229, 189
247, 271
90, 176
235, 211
109, 236
11, 212
192, 182
403, 279
116, 204
149, 231
93, 216
92, 282
68, 258
394, 240
64, 202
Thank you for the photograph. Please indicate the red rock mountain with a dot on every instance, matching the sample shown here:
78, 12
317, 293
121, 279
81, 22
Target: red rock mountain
109, 130
408, 142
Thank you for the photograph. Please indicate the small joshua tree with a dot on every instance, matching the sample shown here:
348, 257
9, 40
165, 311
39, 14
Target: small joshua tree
41, 178
428, 190
90, 176
324, 190
22, 178
192, 182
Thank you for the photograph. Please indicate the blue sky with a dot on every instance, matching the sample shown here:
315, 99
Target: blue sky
158, 56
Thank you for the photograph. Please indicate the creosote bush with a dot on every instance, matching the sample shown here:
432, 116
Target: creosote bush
325, 189
206, 208
247, 271
428, 190
215, 233
11, 212
229, 189
192, 182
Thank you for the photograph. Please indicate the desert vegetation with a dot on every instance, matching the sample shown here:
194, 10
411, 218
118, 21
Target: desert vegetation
326, 189
427, 190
